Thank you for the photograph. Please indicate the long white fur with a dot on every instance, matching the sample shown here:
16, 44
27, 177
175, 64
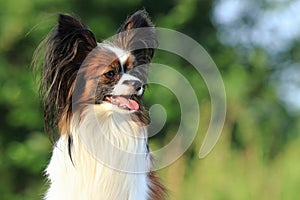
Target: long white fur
89, 177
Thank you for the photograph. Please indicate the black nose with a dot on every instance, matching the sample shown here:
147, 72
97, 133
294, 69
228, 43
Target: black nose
137, 85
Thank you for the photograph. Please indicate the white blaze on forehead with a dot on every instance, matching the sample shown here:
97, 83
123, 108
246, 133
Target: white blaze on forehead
120, 53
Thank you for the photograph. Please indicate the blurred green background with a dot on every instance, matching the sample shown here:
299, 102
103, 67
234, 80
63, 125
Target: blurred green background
256, 46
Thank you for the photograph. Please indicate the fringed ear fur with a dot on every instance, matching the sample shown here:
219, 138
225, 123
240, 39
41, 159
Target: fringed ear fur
67, 45
138, 35
139, 19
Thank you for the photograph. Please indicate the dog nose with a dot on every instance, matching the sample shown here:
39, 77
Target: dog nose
137, 85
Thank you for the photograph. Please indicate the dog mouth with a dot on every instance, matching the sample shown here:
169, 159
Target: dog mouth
125, 102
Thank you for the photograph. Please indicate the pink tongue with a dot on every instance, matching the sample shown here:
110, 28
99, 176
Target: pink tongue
129, 103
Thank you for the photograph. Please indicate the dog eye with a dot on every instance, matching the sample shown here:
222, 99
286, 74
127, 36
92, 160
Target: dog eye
110, 74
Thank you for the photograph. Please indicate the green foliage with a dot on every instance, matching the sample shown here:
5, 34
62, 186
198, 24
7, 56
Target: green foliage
257, 155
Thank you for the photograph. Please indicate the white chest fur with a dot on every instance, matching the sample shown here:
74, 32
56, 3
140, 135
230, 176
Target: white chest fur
88, 177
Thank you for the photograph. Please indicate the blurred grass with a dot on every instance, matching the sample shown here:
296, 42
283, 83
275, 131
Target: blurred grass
235, 175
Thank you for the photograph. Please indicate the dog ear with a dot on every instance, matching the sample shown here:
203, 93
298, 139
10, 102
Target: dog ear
139, 19
137, 35
75, 37
67, 45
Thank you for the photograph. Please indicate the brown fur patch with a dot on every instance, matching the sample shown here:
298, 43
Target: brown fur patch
157, 190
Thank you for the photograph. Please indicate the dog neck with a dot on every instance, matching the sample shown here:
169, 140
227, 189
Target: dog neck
108, 158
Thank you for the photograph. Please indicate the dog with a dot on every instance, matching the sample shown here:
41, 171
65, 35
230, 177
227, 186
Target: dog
92, 95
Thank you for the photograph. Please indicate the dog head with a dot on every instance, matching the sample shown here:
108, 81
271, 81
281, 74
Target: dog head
79, 71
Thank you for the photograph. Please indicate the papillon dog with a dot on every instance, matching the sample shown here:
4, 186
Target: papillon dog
93, 98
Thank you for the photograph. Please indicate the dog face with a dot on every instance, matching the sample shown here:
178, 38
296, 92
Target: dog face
79, 71
111, 74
